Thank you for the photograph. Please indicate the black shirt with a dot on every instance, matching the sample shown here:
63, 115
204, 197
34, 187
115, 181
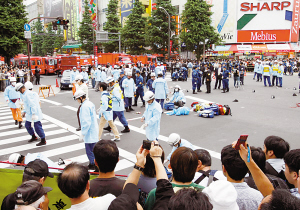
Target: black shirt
103, 186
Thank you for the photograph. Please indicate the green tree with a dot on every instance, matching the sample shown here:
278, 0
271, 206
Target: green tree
85, 32
48, 44
158, 27
112, 25
196, 25
13, 18
59, 40
133, 32
37, 38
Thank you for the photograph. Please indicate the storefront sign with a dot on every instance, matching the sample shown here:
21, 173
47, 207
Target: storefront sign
295, 22
263, 36
260, 6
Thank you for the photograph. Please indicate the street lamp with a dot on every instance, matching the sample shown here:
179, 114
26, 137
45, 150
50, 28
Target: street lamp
169, 29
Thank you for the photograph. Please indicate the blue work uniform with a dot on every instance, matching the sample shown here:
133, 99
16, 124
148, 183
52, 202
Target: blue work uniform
106, 106
225, 80
73, 75
178, 96
194, 79
116, 74
11, 95
89, 127
121, 82
157, 69
266, 73
85, 76
149, 85
184, 143
275, 69
129, 89
152, 117
161, 90
139, 89
103, 76
279, 76
199, 79
118, 104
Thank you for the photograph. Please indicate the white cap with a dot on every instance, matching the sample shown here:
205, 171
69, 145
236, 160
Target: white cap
222, 195
109, 80
152, 74
13, 158
149, 95
74, 68
28, 85
12, 79
275, 61
173, 139
78, 94
78, 77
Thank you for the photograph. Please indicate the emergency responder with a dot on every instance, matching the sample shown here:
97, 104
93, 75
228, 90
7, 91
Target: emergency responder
259, 71
199, 79
121, 79
89, 128
194, 79
117, 105
73, 75
280, 74
106, 113
208, 81
151, 117
84, 74
275, 69
225, 79
97, 76
150, 82
175, 141
12, 98
266, 73
139, 88
129, 91
33, 113
116, 73
157, 69
178, 97
93, 70
161, 89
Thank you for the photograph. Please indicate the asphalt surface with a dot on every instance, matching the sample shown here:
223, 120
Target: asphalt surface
255, 114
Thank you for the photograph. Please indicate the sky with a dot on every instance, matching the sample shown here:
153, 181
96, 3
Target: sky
26, 2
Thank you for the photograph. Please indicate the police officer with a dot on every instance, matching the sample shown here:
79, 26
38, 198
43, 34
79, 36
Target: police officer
259, 71
151, 117
161, 89
121, 79
225, 79
178, 97
106, 113
129, 91
275, 69
266, 73
280, 74
208, 81
195, 77
150, 82
140, 88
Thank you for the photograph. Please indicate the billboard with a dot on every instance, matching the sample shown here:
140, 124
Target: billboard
71, 14
53, 8
93, 10
126, 7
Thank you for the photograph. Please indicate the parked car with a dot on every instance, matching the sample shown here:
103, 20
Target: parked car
65, 80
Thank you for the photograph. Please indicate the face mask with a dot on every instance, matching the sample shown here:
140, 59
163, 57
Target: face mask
13, 84
176, 90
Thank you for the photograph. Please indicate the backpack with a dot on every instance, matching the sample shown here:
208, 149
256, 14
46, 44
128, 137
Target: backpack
222, 110
210, 174
228, 110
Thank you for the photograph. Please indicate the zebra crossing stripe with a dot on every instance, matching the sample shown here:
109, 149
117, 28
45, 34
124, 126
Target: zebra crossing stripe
7, 133
16, 126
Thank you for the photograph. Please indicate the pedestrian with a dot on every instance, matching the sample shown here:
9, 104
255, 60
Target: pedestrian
151, 117
259, 71
195, 77
275, 69
225, 79
208, 81
32, 111
106, 113
266, 72
218, 75
161, 89
242, 71
20, 74
37, 75
117, 105
280, 74
139, 88
129, 91
12, 98
89, 128
150, 82
189, 68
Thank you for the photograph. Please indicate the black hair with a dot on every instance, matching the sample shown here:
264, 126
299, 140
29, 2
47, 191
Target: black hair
103, 85
127, 66
292, 160
259, 157
27, 177
106, 155
278, 145
204, 156
184, 162
149, 168
283, 200
233, 163
73, 180
189, 198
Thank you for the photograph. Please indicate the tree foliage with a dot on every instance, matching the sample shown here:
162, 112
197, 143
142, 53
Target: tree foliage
157, 30
48, 44
133, 32
12, 20
196, 25
85, 32
112, 25
37, 40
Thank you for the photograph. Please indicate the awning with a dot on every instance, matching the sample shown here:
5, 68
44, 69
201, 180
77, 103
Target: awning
71, 46
257, 48
295, 47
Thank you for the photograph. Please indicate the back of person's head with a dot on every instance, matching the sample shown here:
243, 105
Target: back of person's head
204, 156
233, 163
280, 199
184, 162
292, 160
259, 157
189, 198
149, 168
106, 155
73, 180
36, 170
103, 85
278, 145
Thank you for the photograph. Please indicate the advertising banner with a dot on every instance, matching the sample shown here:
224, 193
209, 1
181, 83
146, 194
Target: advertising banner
295, 22
71, 13
53, 8
126, 7
93, 10
263, 36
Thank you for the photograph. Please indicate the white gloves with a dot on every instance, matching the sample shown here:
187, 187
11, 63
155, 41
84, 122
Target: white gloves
34, 117
98, 111
81, 137
144, 126
126, 85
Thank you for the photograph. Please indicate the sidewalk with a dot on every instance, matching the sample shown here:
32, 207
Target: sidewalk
35, 89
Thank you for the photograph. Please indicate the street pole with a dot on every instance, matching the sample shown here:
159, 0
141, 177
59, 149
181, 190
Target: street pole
169, 32
119, 43
93, 42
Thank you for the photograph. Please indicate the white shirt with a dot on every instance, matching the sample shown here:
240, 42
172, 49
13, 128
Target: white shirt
99, 203
219, 175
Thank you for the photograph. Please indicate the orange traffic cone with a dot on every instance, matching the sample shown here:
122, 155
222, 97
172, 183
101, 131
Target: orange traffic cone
245, 73
57, 83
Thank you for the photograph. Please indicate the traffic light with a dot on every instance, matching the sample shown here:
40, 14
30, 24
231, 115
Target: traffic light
60, 21
54, 24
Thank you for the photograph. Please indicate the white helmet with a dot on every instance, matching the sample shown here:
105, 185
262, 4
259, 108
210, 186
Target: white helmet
158, 64
149, 95
275, 61
99, 67
74, 68
129, 73
78, 94
173, 139
28, 85
13, 158
152, 74
160, 73
12, 79
79, 77
177, 86
18, 86
109, 80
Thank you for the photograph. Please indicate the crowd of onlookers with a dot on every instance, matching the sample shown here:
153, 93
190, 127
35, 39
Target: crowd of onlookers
251, 178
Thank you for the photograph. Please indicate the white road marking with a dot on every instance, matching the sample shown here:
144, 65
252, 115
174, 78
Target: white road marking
7, 133
6, 121
71, 108
51, 102
198, 99
16, 126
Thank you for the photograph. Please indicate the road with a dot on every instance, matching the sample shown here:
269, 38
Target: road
255, 114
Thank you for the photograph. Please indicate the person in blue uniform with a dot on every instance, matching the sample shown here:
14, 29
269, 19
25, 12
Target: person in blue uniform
225, 79
129, 91
199, 79
195, 77
178, 97
139, 83
175, 141
161, 89
121, 79
150, 82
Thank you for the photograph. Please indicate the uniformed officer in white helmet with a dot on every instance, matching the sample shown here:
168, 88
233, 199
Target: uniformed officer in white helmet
175, 141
